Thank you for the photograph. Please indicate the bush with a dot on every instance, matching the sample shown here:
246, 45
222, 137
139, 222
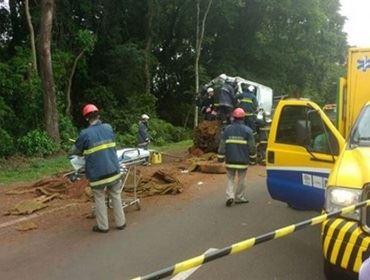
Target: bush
36, 143
6, 144
67, 131
161, 133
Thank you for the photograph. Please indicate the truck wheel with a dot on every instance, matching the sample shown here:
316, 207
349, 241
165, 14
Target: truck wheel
335, 273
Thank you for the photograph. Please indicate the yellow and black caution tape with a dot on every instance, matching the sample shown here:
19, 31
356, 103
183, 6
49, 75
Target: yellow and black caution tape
247, 244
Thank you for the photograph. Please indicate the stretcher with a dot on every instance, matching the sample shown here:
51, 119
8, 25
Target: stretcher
129, 159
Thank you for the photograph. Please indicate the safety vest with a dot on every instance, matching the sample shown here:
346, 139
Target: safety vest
237, 146
98, 146
248, 103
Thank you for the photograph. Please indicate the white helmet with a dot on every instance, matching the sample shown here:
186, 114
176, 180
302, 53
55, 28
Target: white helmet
223, 77
251, 88
209, 90
145, 117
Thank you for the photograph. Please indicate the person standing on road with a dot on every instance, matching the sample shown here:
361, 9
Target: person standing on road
97, 144
143, 134
238, 150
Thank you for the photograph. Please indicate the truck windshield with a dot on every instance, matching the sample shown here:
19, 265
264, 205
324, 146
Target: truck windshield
361, 132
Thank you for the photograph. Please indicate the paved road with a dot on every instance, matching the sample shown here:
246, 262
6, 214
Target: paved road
168, 230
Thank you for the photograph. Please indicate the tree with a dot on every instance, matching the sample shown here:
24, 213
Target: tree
32, 35
87, 41
46, 71
148, 44
198, 48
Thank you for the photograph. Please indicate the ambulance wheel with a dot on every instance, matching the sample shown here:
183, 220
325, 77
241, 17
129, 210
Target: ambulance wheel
333, 272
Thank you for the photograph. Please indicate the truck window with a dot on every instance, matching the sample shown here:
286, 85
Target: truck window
321, 138
290, 118
318, 138
361, 132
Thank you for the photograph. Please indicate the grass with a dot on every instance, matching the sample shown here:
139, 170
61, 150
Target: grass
173, 147
25, 170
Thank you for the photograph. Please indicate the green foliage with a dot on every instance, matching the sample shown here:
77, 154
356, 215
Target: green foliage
161, 133
297, 47
67, 131
7, 147
36, 142
86, 40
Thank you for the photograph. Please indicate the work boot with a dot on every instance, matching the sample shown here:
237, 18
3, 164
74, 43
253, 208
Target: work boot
229, 202
97, 229
121, 227
243, 200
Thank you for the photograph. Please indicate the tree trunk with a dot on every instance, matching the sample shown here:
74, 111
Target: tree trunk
198, 49
196, 66
32, 36
148, 46
73, 71
46, 70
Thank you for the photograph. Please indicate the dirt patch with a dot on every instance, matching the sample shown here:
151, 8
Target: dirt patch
173, 174
206, 137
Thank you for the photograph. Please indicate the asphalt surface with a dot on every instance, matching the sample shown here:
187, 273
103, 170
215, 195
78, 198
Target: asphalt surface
171, 229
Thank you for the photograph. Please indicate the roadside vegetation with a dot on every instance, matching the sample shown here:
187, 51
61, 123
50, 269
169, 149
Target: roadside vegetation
25, 169
134, 57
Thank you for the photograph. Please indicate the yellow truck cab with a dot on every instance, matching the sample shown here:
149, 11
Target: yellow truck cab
346, 240
317, 165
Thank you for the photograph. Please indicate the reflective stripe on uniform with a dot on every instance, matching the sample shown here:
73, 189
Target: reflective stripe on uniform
247, 100
220, 156
99, 148
236, 166
253, 156
234, 141
106, 180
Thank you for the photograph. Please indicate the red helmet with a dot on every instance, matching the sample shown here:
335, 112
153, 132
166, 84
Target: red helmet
89, 108
238, 113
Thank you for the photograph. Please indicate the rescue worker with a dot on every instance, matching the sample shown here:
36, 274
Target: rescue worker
263, 129
97, 144
143, 134
208, 109
226, 101
248, 102
238, 150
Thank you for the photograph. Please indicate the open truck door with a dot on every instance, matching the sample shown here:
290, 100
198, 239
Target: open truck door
303, 146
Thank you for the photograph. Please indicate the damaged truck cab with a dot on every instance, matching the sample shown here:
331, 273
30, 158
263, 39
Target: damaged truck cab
313, 164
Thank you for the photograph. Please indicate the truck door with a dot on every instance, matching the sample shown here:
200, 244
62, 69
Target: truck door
302, 148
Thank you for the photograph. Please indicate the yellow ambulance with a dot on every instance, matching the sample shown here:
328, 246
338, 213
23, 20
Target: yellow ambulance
313, 164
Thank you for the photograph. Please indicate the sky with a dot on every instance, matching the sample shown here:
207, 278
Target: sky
357, 25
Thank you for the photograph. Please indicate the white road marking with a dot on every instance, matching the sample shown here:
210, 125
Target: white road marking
186, 274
